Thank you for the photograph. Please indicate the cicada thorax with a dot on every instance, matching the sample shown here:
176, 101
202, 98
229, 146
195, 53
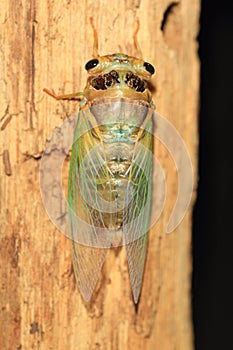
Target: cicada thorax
104, 81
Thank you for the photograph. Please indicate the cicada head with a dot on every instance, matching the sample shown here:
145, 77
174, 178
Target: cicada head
118, 75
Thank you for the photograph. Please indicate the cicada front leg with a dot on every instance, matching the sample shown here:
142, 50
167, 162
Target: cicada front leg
95, 45
135, 39
73, 96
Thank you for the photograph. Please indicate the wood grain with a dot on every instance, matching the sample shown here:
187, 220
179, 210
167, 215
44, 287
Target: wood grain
46, 44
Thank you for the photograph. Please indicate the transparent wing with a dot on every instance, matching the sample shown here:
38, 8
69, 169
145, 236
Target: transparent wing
136, 253
137, 210
87, 264
85, 222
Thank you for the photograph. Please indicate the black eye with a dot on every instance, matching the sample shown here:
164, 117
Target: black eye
91, 64
149, 67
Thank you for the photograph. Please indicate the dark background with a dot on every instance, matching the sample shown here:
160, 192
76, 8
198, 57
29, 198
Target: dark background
213, 213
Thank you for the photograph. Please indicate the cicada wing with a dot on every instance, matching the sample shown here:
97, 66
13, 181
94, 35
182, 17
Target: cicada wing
136, 253
90, 196
136, 234
87, 264
86, 226
137, 210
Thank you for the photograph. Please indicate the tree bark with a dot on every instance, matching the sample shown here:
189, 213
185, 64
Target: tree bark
46, 44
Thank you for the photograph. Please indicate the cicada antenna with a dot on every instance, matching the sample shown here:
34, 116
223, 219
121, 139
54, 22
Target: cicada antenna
95, 45
135, 39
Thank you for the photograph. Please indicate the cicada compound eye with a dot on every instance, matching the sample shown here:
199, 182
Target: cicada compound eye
149, 67
91, 64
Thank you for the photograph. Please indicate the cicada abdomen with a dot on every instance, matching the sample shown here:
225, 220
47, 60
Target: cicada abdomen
110, 179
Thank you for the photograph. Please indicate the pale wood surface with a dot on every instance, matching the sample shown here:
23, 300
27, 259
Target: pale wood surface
46, 44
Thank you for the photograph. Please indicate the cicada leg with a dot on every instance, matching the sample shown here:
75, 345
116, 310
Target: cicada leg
95, 45
135, 39
73, 96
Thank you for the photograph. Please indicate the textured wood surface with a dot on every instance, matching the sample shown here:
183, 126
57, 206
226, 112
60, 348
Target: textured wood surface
46, 44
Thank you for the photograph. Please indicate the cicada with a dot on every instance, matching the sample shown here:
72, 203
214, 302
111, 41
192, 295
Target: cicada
110, 177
